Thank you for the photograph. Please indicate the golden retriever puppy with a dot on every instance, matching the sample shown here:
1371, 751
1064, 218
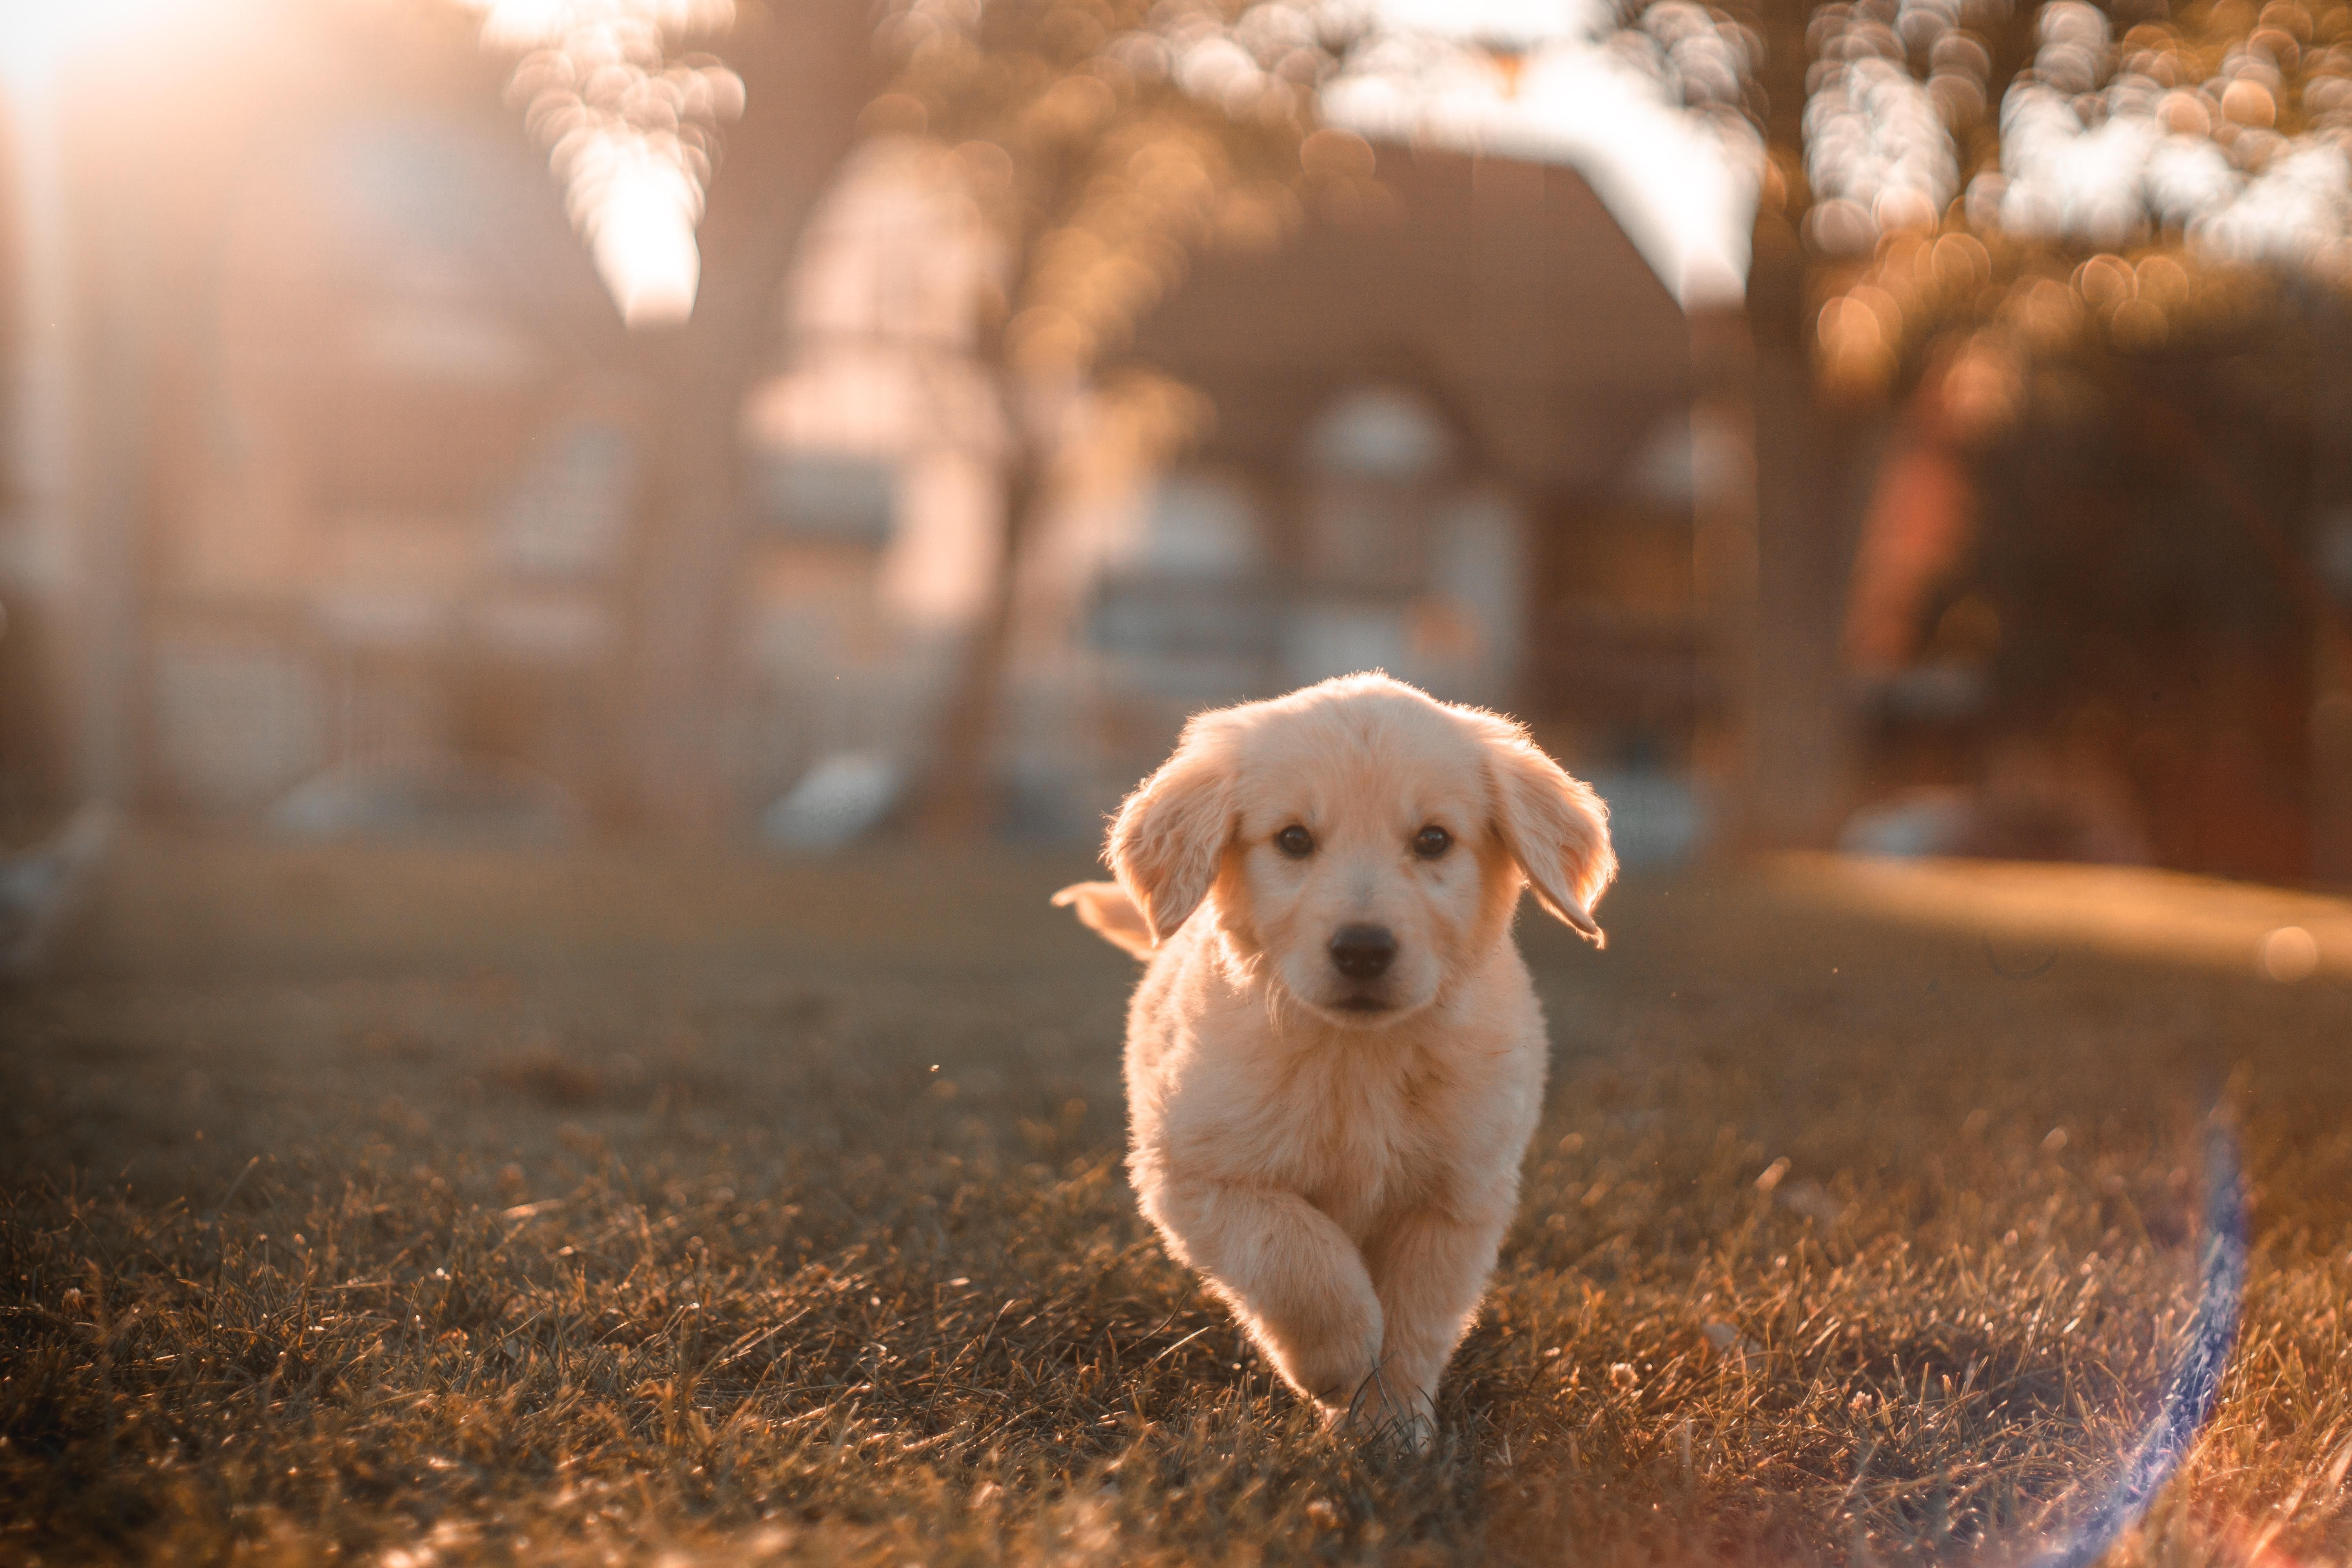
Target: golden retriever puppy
1336, 1059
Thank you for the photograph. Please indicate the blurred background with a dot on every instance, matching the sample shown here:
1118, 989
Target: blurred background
608, 553
1913, 426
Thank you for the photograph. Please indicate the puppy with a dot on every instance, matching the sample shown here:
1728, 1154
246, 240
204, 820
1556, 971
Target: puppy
1336, 1059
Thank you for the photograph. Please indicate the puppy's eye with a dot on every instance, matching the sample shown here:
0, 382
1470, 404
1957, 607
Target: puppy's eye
1296, 842
1432, 841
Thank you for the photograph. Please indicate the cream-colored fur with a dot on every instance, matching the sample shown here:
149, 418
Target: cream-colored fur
1338, 1157
1105, 909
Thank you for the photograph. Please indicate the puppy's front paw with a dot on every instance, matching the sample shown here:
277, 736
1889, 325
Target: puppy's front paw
1414, 1434
1384, 1412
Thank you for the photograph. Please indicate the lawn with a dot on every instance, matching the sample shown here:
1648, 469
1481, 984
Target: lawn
415, 1208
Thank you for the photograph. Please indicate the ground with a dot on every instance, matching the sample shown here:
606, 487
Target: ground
415, 1206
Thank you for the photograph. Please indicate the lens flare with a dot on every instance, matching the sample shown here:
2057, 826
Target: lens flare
2195, 1385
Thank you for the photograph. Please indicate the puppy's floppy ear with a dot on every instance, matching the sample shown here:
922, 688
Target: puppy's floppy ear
1171, 833
1554, 826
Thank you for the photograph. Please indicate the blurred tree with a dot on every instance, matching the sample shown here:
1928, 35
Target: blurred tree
694, 138
2050, 138
1955, 195
808, 69
1990, 235
1100, 172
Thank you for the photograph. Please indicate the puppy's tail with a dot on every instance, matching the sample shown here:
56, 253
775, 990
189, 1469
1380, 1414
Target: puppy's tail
1105, 909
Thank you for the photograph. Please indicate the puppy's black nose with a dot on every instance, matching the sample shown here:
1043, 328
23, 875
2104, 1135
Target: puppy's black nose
1363, 953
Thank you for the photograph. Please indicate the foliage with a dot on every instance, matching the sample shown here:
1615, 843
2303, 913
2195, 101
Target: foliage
633, 133
1098, 170
2131, 194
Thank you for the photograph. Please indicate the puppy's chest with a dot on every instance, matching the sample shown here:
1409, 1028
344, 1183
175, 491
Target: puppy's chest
1373, 1140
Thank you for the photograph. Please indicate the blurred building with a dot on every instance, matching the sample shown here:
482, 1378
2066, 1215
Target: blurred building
340, 494
1453, 440
351, 514
332, 464
333, 461
1424, 455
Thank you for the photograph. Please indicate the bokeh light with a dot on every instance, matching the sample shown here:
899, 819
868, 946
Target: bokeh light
1655, 113
2108, 140
38, 41
633, 135
1907, 438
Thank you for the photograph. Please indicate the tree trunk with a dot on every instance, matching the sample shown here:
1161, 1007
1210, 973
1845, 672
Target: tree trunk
809, 68
1724, 561
687, 542
962, 802
1808, 488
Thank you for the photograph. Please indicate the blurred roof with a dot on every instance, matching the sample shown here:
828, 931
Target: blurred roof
1503, 289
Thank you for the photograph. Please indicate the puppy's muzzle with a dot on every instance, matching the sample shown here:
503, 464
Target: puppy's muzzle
1363, 951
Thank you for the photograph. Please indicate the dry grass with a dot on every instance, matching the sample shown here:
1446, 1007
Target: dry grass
413, 1208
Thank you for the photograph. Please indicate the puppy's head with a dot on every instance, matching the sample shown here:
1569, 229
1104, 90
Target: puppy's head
1361, 843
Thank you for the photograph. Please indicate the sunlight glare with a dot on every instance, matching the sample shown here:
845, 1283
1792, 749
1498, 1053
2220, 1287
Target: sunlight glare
1678, 174
526, 23
640, 227
633, 160
37, 41
1520, 24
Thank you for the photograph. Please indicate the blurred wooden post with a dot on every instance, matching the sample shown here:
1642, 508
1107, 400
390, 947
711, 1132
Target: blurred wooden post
117, 412
38, 570
81, 411
1723, 574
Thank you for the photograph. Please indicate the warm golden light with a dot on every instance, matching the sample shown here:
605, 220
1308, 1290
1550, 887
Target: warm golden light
38, 41
524, 24
630, 134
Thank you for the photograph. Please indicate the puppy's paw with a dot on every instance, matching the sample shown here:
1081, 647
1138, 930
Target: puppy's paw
1374, 1419
1413, 1434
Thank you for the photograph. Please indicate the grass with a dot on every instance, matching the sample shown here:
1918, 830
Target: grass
414, 1208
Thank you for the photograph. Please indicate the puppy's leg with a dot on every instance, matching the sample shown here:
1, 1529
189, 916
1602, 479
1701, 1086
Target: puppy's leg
1429, 1267
1293, 1277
